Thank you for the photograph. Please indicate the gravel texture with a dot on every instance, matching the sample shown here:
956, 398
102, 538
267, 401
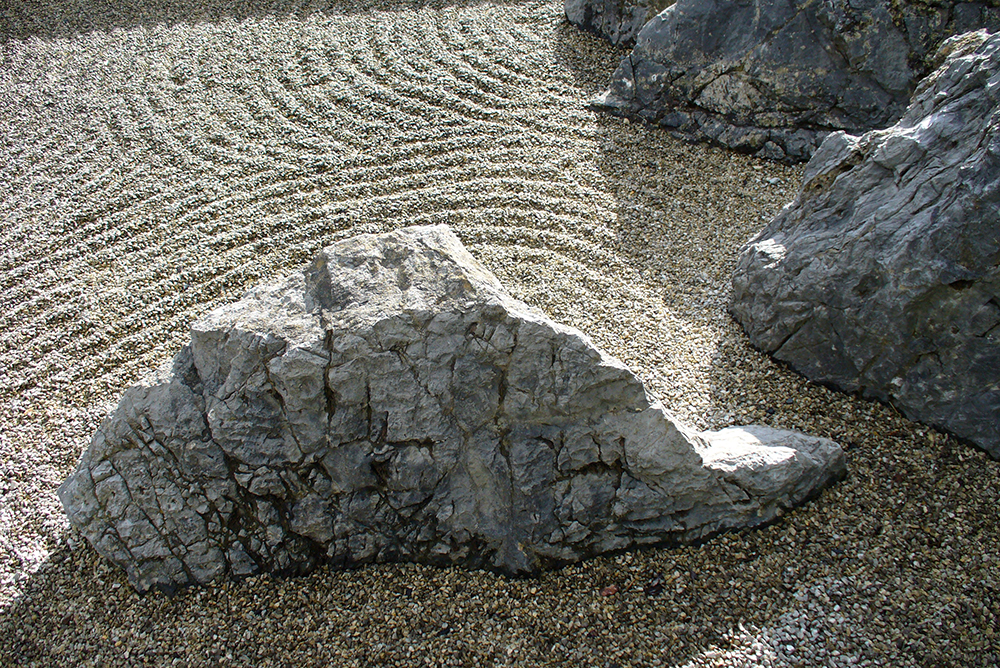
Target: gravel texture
159, 159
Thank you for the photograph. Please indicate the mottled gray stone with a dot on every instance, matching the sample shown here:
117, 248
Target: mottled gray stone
618, 21
882, 276
393, 402
774, 77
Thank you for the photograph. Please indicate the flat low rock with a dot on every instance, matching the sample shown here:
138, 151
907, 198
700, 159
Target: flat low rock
883, 276
774, 77
393, 402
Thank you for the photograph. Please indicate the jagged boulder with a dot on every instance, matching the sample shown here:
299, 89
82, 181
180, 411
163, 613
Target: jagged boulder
774, 77
883, 276
618, 21
393, 402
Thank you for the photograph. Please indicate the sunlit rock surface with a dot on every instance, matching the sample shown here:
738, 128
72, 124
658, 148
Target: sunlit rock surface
392, 402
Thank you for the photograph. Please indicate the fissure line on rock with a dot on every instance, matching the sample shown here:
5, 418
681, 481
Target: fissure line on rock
328, 393
163, 538
802, 323
732, 480
276, 393
236, 522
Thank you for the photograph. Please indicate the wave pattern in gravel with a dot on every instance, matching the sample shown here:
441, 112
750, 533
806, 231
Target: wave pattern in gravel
161, 157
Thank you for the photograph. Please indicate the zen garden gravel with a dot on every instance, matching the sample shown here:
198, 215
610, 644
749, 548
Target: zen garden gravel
160, 159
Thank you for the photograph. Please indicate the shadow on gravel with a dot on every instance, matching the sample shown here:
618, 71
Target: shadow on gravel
683, 210
76, 605
61, 19
890, 529
49, 606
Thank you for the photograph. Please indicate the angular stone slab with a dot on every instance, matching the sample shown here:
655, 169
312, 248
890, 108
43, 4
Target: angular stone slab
883, 276
393, 402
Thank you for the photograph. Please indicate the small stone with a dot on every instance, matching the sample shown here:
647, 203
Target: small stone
654, 587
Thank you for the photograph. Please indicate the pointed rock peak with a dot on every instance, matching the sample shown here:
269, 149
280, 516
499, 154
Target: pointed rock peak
393, 402
413, 268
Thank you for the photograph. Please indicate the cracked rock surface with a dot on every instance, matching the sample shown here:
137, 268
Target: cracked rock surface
883, 276
774, 78
618, 21
392, 402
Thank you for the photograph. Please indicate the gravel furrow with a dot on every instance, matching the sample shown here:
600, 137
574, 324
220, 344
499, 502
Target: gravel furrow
162, 157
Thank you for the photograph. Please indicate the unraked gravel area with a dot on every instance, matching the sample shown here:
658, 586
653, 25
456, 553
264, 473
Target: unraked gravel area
159, 160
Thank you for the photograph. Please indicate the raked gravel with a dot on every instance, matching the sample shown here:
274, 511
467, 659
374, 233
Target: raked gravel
159, 158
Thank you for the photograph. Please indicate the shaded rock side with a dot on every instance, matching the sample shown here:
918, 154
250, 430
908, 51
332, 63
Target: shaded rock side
618, 21
773, 78
882, 276
393, 402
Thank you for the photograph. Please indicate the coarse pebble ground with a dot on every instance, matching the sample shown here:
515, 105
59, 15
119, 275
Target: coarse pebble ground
159, 158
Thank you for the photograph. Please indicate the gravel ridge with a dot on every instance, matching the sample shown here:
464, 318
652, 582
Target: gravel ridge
161, 159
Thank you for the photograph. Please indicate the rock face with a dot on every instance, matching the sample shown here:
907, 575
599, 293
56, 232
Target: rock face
774, 77
393, 402
617, 21
882, 276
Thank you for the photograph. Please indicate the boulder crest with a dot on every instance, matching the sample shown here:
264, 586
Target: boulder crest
618, 21
392, 402
883, 275
773, 77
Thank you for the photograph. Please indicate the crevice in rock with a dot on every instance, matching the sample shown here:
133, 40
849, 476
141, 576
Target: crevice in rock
795, 330
382, 509
166, 539
328, 393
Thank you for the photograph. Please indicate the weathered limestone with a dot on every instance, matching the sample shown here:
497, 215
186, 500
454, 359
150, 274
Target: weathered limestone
618, 21
393, 402
883, 276
774, 77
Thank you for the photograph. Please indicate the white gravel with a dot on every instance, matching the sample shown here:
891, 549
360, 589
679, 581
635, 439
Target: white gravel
161, 157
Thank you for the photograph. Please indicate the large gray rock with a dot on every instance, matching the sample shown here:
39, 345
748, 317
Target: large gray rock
882, 276
618, 21
393, 402
774, 77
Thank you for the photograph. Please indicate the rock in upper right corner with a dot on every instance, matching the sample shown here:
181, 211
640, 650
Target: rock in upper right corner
618, 21
773, 77
883, 275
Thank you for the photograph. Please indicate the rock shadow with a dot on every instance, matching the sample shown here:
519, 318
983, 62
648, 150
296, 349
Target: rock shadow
682, 210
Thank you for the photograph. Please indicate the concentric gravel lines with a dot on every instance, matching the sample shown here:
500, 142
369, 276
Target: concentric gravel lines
157, 159
473, 99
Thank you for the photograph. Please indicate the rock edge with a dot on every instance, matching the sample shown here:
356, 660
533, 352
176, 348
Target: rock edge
882, 277
392, 402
